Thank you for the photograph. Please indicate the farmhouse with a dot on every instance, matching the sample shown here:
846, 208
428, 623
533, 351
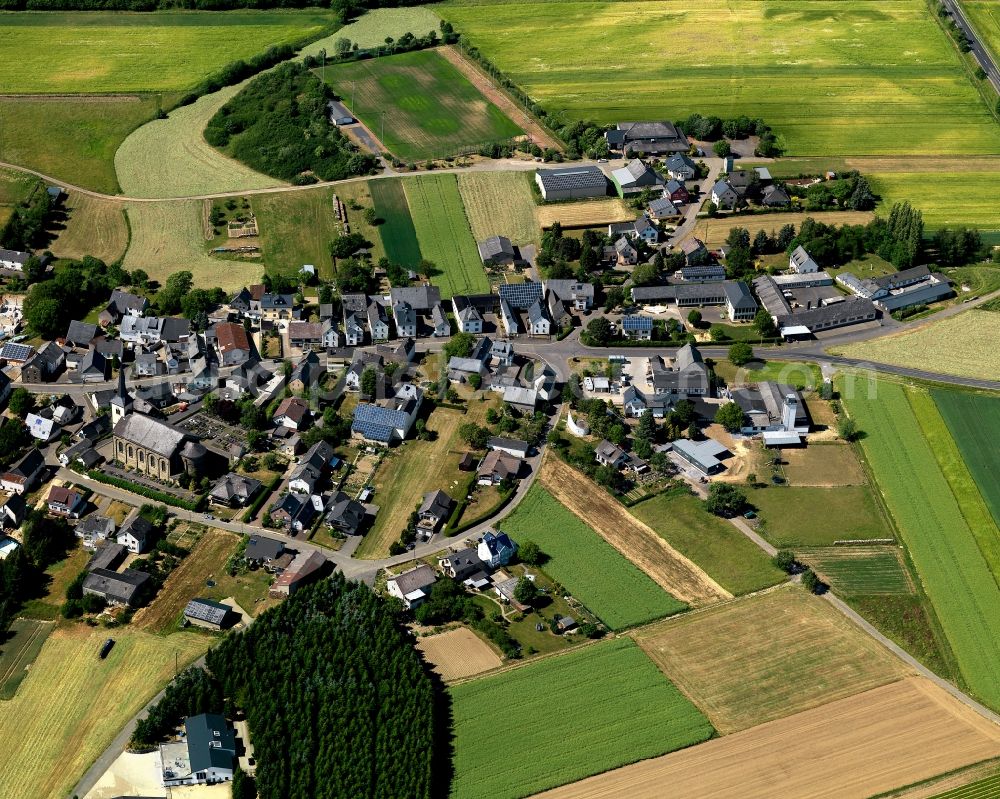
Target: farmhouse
205, 756
497, 251
207, 614
572, 182
647, 138
304, 568
44, 365
470, 320
95, 528
120, 304
642, 229
109, 556
703, 455
688, 377
405, 318
420, 298
305, 335
904, 289
117, 588
771, 407
412, 587
634, 177
261, 551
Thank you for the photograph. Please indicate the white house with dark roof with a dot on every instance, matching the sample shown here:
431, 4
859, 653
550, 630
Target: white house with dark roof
440, 326
412, 587
740, 304
469, 319
724, 195
634, 177
801, 262
680, 167
405, 318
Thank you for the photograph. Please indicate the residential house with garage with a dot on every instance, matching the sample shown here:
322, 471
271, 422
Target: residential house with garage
680, 167
608, 454
498, 466
413, 586
25, 474
390, 420
637, 328
625, 253
278, 307
724, 195
235, 490
662, 210
695, 252
676, 192
346, 515
775, 197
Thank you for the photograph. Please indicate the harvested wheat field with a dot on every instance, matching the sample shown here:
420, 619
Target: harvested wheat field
853, 748
207, 560
94, 227
635, 540
766, 657
585, 213
714, 231
458, 653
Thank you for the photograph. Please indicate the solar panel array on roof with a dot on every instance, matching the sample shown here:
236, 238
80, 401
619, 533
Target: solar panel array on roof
637, 323
373, 431
376, 414
16, 352
572, 178
206, 610
521, 295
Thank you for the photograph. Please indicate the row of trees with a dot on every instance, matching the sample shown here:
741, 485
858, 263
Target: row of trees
338, 701
25, 229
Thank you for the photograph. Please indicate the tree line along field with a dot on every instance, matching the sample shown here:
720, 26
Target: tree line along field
595, 573
72, 704
976, 206
859, 77
963, 345
371, 29
766, 656
119, 52
731, 558
956, 577
444, 235
93, 226
419, 105
564, 718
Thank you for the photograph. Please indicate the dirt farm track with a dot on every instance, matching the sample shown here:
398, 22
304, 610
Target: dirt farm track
878, 740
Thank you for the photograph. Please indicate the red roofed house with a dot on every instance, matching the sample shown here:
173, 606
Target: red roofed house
306, 567
232, 342
63, 501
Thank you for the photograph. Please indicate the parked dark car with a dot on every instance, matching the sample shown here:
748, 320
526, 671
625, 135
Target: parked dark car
106, 648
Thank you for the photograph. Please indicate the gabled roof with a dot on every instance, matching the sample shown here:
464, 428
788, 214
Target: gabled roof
577, 177
521, 296
292, 407
231, 336
494, 246
145, 431
420, 298
415, 579
80, 334
637, 323
211, 742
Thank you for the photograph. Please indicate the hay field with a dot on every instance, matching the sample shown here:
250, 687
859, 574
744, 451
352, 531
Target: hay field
714, 231
396, 233
419, 105
822, 465
853, 748
14, 186
94, 227
636, 541
104, 52
170, 237
952, 569
18, 652
565, 717
370, 29
859, 77
72, 138
170, 157
731, 558
296, 228
596, 574
444, 235
859, 570
458, 653
73, 704
499, 204
207, 560
585, 213
766, 657
962, 345
977, 205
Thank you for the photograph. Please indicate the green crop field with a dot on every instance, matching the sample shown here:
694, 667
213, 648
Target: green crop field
565, 718
396, 231
728, 556
105, 52
71, 138
976, 206
590, 568
955, 576
812, 516
420, 105
296, 228
974, 423
985, 18
444, 235
18, 652
988, 788
857, 77
859, 570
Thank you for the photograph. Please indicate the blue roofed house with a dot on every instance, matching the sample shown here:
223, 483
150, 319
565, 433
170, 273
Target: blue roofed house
206, 756
639, 328
390, 420
496, 549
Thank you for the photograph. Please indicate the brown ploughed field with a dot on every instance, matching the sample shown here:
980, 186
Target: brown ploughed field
458, 653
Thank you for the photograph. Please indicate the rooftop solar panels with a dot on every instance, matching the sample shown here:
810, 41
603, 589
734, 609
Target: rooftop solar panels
521, 295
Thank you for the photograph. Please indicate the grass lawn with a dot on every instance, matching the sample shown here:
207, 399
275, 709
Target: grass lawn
49, 744
15, 186
114, 51
522, 626
800, 375
809, 516
976, 205
399, 239
859, 570
591, 569
93, 227
416, 467
768, 656
71, 138
444, 235
18, 651
170, 236
973, 421
359, 192
567, 717
296, 229
206, 562
500, 204
419, 105
59, 575
859, 77
822, 464
729, 557
248, 588
951, 567
962, 345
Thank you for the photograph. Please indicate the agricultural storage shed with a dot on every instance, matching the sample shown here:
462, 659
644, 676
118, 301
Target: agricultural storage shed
572, 182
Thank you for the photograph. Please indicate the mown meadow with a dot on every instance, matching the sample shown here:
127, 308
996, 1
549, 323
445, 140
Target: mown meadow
565, 718
857, 77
